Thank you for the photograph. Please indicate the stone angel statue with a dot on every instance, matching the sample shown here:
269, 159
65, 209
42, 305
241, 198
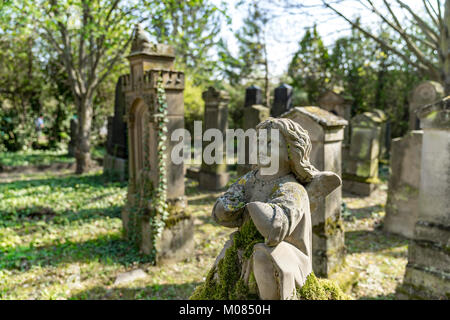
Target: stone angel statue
270, 256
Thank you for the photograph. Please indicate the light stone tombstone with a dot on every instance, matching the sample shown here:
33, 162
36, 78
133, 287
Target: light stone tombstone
338, 104
214, 176
360, 165
254, 113
116, 157
148, 63
404, 181
425, 93
427, 274
326, 132
402, 206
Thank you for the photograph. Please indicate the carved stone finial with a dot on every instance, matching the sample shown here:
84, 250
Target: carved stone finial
141, 42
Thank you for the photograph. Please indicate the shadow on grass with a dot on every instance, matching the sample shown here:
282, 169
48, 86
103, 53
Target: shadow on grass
362, 213
152, 292
105, 249
374, 241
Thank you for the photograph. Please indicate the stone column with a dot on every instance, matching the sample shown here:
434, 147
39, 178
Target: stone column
254, 113
148, 63
214, 176
427, 274
361, 164
326, 131
116, 158
73, 136
282, 100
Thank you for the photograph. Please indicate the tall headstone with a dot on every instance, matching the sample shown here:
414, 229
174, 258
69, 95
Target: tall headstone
116, 157
402, 206
425, 93
340, 105
141, 217
73, 136
361, 162
254, 113
427, 274
214, 176
282, 100
253, 95
326, 131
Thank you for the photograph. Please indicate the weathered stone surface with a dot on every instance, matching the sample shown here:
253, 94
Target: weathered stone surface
361, 162
282, 100
73, 136
214, 176
130, 276
326, 132
148, 63
402, 207
425, 93
427, 274
340, 105
271, 255
253, 115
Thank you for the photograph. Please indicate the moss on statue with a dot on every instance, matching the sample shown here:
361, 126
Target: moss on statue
228, 285
320, 289
224, 282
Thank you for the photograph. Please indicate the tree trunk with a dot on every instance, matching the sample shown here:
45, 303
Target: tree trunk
83, 147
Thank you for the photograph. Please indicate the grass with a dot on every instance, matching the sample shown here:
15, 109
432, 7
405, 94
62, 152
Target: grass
61, 238
34, 157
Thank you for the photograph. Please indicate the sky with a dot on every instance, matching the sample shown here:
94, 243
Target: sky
288, 27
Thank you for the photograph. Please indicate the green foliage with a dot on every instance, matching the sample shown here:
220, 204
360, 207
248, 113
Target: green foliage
320, 289
194, 106
34, 157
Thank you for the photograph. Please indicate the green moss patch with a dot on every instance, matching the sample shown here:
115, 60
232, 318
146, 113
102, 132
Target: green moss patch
320, 289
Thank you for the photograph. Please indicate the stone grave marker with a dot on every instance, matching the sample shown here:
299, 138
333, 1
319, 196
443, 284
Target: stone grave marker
326, 132
154, 216
282, 100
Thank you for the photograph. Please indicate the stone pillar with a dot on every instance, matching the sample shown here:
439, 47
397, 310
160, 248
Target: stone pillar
340, 105
214, 176
427, 274
326, 131
425, 93
73, 136
361, 164
404, 180
253, 95
148, 63
282, 100
116, 157
254, 113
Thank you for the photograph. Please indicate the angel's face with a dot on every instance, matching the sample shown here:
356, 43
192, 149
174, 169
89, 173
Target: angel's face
273, 152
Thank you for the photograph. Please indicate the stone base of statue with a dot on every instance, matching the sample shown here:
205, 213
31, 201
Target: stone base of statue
115, 166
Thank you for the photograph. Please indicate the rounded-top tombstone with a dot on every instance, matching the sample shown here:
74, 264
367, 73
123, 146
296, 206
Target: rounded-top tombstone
425, 93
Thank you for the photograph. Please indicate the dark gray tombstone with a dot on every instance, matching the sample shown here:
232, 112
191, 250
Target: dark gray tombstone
253, 95
282, 100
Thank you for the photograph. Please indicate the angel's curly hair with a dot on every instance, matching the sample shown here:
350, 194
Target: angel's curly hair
298, 144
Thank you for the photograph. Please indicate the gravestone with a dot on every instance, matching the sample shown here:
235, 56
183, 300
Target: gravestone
73, 136
116, 157
402, 206
340, 105
214, 176
425, 93
282, 100
326, 132
361, 163
254, 113
404, 181
427, 274
151, 170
